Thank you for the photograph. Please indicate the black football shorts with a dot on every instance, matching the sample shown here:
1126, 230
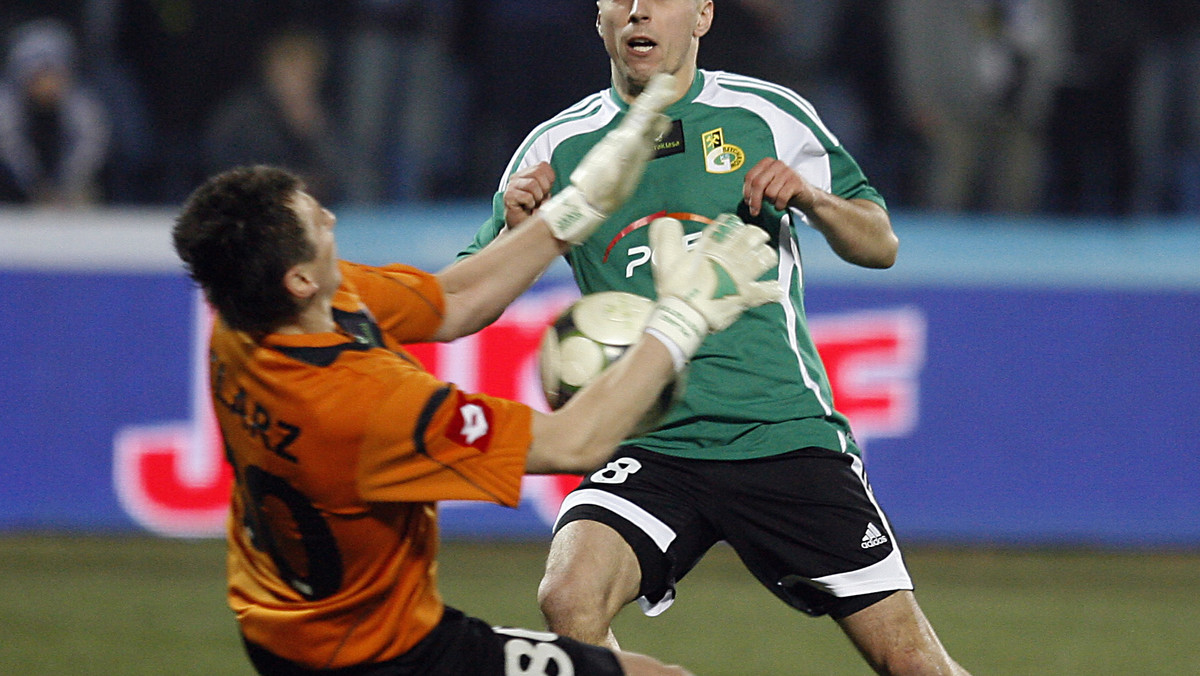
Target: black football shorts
805, 523
461, 645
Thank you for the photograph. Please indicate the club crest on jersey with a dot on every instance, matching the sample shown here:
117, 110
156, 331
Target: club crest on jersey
720, 157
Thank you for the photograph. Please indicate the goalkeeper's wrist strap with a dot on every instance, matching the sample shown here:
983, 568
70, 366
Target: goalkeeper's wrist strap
677, 356
570, 217
679, 326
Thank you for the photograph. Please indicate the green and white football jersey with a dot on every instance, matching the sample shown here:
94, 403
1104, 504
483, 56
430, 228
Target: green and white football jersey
758, 388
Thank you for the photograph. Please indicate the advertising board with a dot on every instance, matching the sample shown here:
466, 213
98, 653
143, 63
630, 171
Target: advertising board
1060, 409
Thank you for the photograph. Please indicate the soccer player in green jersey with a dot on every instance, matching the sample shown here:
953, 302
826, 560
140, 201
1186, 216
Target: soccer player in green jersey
754, 453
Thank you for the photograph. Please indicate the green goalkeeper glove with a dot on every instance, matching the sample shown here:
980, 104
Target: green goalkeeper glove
611, 170
704, 290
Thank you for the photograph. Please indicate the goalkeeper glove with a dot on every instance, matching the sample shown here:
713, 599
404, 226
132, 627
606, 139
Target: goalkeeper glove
704, 290
610, 171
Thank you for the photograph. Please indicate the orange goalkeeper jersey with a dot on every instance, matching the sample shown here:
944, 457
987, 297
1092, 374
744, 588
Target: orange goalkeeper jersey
341, 445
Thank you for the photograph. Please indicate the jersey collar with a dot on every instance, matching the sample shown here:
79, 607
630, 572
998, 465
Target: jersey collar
688, 97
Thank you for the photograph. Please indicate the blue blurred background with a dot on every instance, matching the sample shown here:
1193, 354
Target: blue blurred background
1014, 381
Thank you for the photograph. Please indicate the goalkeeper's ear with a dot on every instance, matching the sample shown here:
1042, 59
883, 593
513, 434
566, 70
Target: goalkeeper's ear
666, 245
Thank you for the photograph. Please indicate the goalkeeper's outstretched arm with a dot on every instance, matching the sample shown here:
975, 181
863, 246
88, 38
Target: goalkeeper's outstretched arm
479, 287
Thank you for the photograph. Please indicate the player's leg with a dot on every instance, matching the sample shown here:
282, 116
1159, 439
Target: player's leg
641, 665
510, 651
591, 573
837, 556
629, 531
896, 638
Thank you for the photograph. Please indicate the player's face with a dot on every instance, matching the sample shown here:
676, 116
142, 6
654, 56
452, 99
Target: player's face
644, 37
318, 222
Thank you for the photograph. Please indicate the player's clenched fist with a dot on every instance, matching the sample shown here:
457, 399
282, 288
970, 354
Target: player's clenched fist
774, 182
525, 192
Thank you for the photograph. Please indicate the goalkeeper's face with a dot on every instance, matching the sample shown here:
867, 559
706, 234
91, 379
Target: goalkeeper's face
322, 270
644, 37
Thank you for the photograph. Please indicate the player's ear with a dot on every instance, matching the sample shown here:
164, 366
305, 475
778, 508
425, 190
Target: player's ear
704, 18
599, 30
299, 282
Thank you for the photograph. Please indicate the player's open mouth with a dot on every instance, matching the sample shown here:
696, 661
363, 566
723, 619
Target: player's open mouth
641, 45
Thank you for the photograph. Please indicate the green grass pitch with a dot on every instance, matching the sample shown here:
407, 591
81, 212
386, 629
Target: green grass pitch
134, 605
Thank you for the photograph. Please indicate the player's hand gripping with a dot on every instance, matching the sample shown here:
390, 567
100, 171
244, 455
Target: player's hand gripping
706, 289
610, 171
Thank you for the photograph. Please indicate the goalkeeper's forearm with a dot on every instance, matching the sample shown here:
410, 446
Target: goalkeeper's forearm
580, 436
479, 287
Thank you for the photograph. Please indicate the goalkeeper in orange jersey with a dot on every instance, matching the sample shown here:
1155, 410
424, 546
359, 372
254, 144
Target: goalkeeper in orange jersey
342, 445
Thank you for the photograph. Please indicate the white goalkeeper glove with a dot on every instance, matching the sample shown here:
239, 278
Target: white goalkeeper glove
704, 290
610, 171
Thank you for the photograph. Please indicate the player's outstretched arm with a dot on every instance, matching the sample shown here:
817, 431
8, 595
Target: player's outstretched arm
700, 291
479, 287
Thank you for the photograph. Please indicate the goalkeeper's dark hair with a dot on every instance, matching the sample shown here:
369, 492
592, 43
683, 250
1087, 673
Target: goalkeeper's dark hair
238, 235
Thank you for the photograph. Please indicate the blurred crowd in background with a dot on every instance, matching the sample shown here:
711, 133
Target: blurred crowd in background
962, 106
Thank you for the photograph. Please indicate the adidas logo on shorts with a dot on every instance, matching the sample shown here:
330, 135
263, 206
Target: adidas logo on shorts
873, 537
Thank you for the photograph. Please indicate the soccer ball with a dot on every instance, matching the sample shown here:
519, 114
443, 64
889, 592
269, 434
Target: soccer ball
587, 338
